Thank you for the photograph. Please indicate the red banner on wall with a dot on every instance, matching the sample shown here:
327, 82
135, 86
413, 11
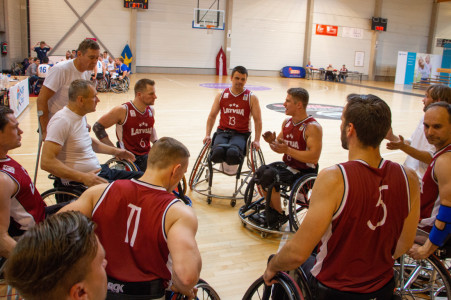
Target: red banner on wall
326, 30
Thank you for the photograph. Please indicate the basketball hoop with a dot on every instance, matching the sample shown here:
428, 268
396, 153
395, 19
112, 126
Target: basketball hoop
210, 29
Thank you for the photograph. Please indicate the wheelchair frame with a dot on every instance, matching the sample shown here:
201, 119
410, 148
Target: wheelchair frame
296, 200
254, 159
426, 278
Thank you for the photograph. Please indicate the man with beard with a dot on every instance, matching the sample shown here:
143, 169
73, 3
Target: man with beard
436, 184
363, 214
419, 151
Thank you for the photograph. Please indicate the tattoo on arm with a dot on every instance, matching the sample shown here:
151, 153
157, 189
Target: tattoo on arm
99, 130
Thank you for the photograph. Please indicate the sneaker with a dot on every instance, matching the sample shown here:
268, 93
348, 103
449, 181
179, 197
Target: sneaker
274, 217
258, 218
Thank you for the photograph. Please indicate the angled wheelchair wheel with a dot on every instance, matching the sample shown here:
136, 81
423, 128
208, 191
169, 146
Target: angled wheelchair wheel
60, 195
102, 85
118, 164
205, 291
200, 165
286, 288
300, 199
422, 279
117, 85
255, 159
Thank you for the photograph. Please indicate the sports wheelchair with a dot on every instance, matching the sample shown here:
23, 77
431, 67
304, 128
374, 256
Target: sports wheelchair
119, 85
201, 178
426, 278
295, 202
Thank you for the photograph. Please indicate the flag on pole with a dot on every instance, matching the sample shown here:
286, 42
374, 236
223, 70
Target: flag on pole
127, 56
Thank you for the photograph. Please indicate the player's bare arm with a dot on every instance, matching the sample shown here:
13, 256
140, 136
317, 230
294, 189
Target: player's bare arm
181, 227
42, 104
9, 188
212, 118
409, 229
324, 202
257, 116
114, 116
51, 164
87, 201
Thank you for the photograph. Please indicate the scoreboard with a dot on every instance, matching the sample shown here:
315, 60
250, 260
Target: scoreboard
136, 4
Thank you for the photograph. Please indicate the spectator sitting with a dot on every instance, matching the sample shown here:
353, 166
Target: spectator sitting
32, 72
44, 68
329, 73
68, 55
343, 74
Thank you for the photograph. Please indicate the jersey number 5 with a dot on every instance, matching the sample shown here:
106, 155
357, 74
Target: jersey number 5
384, 207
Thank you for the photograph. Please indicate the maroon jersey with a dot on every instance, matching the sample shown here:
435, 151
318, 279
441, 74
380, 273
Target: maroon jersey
130, 225
235, 111
355, 253
134, 134
430, 198
27, 207
294, 135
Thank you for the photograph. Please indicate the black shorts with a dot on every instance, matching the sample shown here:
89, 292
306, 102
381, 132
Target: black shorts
287, 177
118, 289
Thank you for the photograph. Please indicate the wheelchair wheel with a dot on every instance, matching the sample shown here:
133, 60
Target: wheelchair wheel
114, 163
300, 199
205, 291
255, 159
102, 85
286, 288
199, 166
423, 279
117, 85
60, 195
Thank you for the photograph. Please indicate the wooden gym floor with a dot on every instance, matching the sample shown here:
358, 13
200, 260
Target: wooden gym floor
233, 257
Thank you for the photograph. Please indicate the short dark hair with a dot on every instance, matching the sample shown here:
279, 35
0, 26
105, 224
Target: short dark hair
443, 104
88, 44
241, 70
371, 117
121, 59
45, 60
57, 251
299, 94
4, 111
166, 151
439, 92
79, 87
141, 85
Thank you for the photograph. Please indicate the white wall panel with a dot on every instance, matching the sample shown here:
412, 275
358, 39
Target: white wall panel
339, 50
443, 25
267, 34
165, 37
109, 21
14, 33
408, 24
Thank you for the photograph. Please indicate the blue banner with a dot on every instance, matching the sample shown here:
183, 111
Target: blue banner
127, 56
410, 67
